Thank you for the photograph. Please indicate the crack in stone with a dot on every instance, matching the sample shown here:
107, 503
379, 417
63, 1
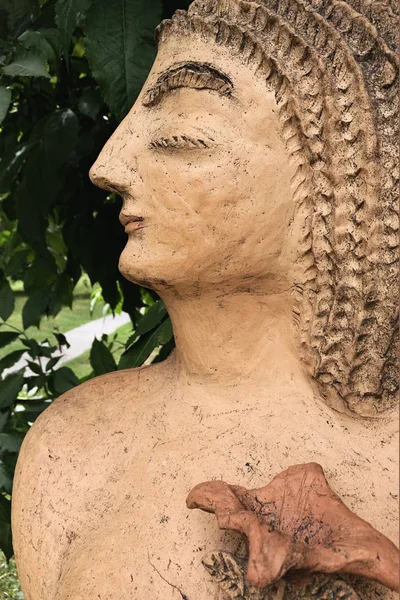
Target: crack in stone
183, 596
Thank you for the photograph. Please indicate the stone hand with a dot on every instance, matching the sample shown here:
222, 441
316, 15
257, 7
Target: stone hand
297, 523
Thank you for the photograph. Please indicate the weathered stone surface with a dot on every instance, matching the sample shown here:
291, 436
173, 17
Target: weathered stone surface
258, 171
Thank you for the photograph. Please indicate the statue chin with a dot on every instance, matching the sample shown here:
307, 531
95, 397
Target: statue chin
132, 272
265, 148
156, 274
145, 267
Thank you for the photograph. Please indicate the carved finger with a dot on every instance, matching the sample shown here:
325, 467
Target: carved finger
213, 496
270, 552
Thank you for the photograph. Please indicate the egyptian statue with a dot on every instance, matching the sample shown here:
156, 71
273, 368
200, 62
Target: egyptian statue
258, 172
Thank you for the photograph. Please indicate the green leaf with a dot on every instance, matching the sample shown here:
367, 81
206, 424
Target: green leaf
52, 362
101, 359
151, 318
120, 48
61, 294
47, 351
136, 355
56, 242
68, 14
33, 40
29, 416
34, 348
7, 300
61, 339
57, 136
90, 104
38, 275
10, 442
17, 263
9, 461
64, 379
34, 367
36, 407
165, 351
165, 333
17, 9
5, 527
27, 63
31, 412
31, 222
5, 45
11, 164
60, 135
53, 38
5, 101
10, 386
132, 338
6, 337
10, 359
3, 419
35, 381
5, 509
35, 307
5, 480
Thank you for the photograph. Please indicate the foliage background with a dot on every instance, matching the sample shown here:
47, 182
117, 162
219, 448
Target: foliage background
69, 72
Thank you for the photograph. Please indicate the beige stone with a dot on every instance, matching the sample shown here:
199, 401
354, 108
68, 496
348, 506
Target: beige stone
257, 170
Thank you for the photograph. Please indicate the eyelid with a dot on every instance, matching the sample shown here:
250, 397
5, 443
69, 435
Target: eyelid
182, 141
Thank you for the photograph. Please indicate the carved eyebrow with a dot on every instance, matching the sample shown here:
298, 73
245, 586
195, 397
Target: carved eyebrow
195, 75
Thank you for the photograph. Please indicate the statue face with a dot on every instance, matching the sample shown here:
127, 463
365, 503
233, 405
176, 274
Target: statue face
204, 171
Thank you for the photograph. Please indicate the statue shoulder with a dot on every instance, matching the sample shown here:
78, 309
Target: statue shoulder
57, 462
96, 405
98, 400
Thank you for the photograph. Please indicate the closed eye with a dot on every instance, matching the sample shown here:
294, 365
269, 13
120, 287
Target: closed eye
182, 142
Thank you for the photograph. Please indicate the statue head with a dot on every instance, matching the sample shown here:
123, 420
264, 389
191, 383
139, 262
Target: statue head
263, 149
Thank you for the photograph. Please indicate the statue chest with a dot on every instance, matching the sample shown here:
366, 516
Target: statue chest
132, 535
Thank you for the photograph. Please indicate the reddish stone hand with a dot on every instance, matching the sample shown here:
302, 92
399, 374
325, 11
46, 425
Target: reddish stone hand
297, 522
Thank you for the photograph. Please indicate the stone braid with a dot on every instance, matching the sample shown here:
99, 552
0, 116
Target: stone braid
374, 350
380, 66
327, 114
383, 15
352, 150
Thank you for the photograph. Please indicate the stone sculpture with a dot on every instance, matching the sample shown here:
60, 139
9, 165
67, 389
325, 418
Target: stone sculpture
258, 172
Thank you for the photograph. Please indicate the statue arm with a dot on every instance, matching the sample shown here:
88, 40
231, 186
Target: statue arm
38, 518
49, 492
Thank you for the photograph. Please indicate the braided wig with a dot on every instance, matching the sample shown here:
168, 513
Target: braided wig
334, 71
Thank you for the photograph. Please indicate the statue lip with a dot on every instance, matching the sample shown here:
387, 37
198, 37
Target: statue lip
131, 222
125, 219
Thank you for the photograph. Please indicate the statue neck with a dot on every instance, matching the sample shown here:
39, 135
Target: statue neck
231, 339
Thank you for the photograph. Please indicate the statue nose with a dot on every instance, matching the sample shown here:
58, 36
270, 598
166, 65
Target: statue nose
99, 176
115, 169
111, 176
